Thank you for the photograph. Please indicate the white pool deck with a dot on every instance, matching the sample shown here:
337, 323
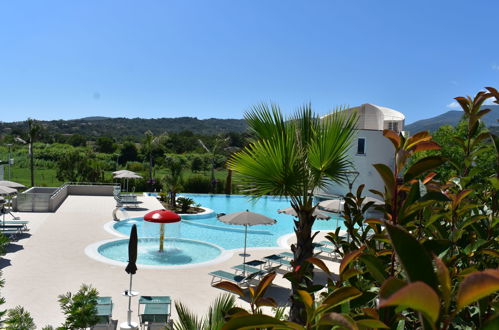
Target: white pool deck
52, 261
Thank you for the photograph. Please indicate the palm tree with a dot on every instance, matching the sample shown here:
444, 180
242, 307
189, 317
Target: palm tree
220, 142
173, 180
33, 131
228, 181
214, 320
150, 143
293, 157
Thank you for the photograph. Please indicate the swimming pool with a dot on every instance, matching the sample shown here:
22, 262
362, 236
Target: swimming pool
212, 231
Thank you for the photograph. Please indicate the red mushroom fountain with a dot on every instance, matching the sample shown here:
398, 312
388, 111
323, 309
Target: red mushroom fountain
162, 217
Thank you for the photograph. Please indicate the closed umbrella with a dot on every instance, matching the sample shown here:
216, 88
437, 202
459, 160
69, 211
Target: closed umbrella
318, 214
246, 219
131, 269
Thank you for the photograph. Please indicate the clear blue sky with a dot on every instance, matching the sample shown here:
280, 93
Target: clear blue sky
70, 59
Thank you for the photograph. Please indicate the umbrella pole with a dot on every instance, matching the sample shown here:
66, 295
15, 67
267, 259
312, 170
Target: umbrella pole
129, 316
244, 255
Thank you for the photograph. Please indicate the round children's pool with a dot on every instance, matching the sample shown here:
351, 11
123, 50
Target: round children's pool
175, 252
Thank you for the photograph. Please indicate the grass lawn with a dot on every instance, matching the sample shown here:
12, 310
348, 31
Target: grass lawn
46, 177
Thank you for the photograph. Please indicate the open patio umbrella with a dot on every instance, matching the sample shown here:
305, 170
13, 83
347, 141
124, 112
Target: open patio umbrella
131, 269
162, 217
337, 205
11, 184
123, 171
127, 175
377, 202
246, 218
332, 205
6, 190
318, 214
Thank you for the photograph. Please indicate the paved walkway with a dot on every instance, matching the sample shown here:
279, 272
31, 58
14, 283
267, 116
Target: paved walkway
52, 261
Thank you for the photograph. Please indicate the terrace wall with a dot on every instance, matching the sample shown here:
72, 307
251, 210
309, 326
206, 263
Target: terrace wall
48, 199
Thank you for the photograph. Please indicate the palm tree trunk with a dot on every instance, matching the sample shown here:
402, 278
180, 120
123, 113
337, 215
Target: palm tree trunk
228, 182
150, 167
213, 180
302, 250
173, 200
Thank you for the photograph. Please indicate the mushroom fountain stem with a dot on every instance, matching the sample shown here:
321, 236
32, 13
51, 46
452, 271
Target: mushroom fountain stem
161, 236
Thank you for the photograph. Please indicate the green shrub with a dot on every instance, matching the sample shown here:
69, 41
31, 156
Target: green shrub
135, 167
185, 203
19, 319
80, 308
197, 184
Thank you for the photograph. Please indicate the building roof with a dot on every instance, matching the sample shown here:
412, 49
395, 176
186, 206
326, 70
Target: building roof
389, 113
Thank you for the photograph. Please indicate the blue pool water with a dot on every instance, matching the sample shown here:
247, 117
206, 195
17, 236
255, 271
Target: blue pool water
176, 252
231, 236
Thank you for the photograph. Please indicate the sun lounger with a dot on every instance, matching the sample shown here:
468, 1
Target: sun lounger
9, 211
246, 269
287, 254
24, 224
256, 263
278, 259
222, 275
19, 228
331, 252
317, 245
156, 311
11, 233
104, 311
128, 201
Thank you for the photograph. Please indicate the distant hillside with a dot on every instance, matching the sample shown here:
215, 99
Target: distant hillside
451, 118
120, 127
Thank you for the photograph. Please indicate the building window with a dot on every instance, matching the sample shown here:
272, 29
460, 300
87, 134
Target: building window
361, 146
393, 125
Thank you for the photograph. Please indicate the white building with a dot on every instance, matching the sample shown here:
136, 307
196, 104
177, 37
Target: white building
369, 147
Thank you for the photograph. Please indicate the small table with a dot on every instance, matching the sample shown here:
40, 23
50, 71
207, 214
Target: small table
156, 309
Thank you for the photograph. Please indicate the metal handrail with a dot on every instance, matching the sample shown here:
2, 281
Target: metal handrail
92, 183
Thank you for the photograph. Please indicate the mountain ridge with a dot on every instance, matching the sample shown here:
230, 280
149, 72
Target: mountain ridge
95, 126
451, 117
118, 127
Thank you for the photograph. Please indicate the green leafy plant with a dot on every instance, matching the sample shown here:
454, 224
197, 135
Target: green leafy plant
19, 319
214, 320
149, 144
80, 308
173, 181
428, 261
291, 157
34, 130
185, 203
